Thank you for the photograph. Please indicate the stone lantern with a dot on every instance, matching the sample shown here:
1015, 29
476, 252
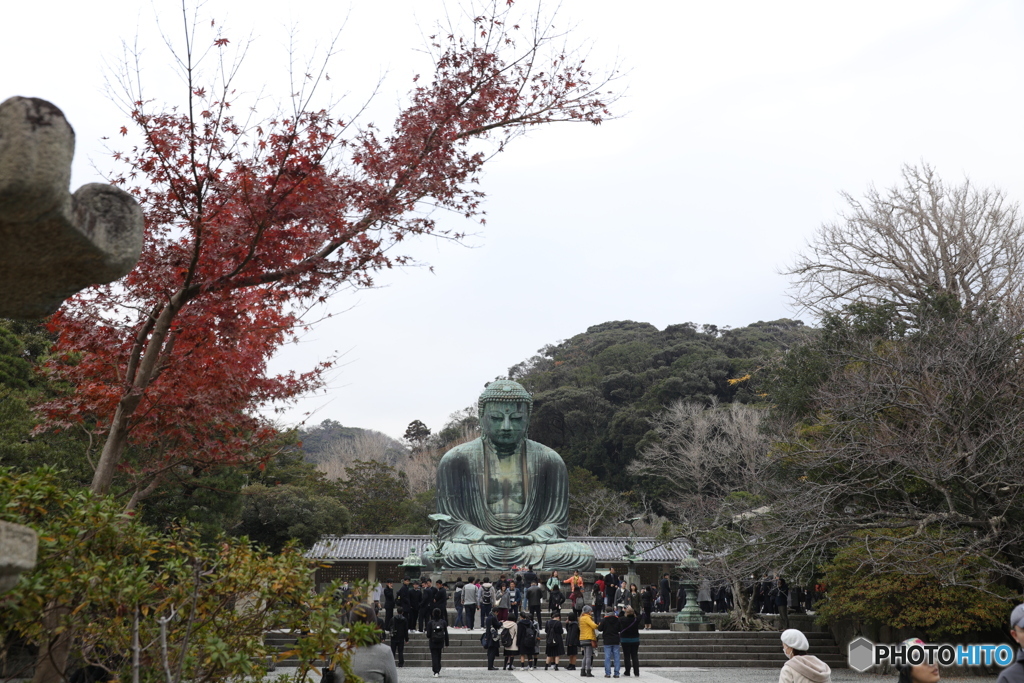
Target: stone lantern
690, 617
412, 565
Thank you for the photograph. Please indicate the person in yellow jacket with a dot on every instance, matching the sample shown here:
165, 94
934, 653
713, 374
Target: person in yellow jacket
588, 640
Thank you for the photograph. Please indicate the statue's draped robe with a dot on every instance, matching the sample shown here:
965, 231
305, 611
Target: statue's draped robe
463, 481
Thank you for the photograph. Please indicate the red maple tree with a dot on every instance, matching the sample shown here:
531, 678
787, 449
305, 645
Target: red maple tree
248, 224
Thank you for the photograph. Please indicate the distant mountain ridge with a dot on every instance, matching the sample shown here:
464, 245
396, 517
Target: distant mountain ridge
332, 446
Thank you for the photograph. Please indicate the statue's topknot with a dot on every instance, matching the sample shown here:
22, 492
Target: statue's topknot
505, 391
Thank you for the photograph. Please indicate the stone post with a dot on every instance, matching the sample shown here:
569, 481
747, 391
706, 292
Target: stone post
17, 553
54, 243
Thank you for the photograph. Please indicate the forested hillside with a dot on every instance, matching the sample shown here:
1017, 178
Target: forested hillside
596, 392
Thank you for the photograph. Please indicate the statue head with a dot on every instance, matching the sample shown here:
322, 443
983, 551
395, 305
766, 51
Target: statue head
504, 409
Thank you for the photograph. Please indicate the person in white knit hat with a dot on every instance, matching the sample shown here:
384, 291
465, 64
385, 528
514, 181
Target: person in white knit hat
801, 667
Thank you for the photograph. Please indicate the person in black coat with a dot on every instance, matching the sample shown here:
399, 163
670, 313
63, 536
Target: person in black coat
415, 602
629, 634
647, 603
554, 646
781, 591
402, 597
437, 637
441, 600
609, 628
389, 604
526, 638
426, 604
665, 588
492, 627
399, 635
680, 598
572, 639
530, 577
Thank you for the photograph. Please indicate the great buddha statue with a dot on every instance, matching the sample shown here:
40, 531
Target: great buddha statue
506, 498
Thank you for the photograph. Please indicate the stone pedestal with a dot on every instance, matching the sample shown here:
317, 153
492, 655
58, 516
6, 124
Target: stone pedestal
18, 546
677, 626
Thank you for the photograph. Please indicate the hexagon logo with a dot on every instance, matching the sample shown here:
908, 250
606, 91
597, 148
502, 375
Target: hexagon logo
861, 654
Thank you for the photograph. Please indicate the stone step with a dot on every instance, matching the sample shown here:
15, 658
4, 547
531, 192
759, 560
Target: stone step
710, 638
657, 649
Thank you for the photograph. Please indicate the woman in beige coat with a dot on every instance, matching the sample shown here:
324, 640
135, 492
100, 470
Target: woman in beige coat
801, 667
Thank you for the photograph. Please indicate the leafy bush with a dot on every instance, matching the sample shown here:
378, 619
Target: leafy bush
111, 591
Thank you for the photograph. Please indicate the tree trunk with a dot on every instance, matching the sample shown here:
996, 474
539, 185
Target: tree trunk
113, 447
52, 660
740, 602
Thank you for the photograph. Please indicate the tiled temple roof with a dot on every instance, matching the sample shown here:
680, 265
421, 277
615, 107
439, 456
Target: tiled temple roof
395, 548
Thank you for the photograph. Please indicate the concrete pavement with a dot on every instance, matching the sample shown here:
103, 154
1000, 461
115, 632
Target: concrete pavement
659, 675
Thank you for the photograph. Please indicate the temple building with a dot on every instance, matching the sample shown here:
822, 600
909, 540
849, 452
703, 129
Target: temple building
376, 557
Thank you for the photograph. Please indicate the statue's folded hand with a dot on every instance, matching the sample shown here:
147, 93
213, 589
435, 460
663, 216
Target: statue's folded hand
510, 541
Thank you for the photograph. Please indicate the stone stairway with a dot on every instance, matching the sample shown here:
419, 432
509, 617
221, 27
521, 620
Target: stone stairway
657, 649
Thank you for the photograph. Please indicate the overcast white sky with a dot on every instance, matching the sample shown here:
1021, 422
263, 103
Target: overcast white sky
742, 121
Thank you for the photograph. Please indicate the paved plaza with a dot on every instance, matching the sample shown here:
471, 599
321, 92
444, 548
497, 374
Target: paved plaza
659, 675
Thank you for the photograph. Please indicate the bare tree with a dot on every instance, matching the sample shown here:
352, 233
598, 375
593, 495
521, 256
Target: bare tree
364, 444
716, 458
914, 456
707, 452
913, 242
596, 511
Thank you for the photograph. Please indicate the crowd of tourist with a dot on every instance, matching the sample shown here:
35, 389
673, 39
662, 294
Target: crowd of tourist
512, 619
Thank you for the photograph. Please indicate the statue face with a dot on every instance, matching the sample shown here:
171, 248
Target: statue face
505, 424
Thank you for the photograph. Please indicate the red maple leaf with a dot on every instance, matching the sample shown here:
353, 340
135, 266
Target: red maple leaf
248, 224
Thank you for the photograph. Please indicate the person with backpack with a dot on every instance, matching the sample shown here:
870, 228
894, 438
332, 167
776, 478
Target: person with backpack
399, 635
491, 640
555, 600
577, 602
553, 582
554, 646
509, 643
486, 600
572, 640
437, 637
527, 641
612, 643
